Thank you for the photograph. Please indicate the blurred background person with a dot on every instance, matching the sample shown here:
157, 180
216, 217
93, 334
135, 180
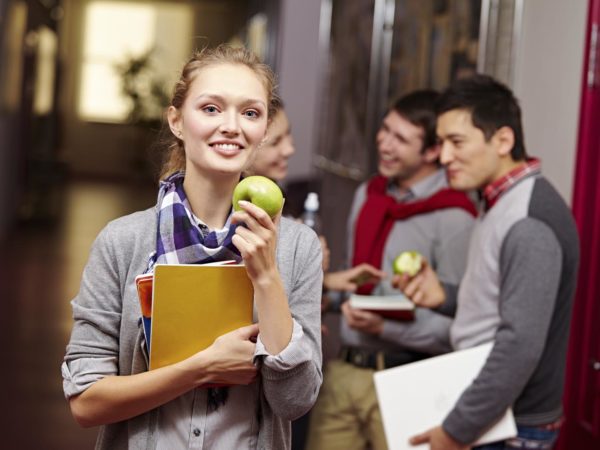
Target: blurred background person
272, 157
272, 161
407, 206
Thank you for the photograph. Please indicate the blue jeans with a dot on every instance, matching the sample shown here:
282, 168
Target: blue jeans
527, 438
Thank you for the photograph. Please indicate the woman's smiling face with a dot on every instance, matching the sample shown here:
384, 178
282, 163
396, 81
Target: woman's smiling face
222, 120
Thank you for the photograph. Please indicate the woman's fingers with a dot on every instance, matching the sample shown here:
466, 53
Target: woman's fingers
248, 331
251, 237
258, 232
254, 217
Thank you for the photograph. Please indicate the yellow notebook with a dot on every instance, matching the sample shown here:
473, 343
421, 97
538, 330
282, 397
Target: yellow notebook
194, 304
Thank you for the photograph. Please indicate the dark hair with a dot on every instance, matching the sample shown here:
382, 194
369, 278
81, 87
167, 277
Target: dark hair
206, 57
491, 104
418, 108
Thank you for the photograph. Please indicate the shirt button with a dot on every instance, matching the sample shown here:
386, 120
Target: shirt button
197, 432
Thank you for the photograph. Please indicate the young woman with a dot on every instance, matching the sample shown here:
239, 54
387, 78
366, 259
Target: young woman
272, 159
218, 117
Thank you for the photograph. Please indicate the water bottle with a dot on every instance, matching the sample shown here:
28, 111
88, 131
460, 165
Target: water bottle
310, 216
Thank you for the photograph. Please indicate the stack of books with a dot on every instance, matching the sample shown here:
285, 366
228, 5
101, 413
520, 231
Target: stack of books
185, 307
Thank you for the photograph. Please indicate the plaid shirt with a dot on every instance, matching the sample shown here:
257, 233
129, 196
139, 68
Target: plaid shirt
494, 191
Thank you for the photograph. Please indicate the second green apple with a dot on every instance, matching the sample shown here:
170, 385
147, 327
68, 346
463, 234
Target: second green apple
408, 263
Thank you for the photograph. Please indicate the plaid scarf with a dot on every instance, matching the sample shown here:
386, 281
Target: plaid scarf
180, 241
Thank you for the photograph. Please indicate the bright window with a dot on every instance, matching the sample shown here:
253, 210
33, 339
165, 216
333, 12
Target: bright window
117, 31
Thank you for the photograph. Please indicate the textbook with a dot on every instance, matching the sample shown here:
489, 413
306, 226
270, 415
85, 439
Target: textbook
416, 397
396, 306
191, 305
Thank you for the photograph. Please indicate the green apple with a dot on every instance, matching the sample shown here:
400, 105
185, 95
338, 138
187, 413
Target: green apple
408, 263
261, 191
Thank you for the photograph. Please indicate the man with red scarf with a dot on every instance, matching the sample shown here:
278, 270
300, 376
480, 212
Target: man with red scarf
407, 206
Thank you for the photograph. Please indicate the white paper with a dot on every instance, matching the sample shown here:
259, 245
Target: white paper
416, 397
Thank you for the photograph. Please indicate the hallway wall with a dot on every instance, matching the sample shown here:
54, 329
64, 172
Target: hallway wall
298, 70
548, 75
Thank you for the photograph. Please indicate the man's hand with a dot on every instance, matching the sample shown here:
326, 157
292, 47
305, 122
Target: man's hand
364, 321
349, 280
438, 439
424, 289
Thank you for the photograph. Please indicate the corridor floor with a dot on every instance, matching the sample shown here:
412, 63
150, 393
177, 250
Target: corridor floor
40, 270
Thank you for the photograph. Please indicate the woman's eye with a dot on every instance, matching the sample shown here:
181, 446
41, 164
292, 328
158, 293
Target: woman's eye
251, 113
210, 109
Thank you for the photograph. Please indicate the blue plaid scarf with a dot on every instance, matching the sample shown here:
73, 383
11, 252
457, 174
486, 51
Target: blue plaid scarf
180, 241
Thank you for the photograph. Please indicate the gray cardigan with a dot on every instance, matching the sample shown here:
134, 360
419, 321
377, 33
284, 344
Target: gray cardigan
107, 327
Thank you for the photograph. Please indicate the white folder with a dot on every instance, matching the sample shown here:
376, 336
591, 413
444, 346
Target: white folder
416, 397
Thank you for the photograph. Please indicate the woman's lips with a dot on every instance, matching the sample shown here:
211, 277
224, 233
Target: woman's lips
227, 149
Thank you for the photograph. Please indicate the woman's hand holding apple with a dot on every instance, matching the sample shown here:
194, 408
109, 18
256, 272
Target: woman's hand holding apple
261, 191
256, 241
257, 202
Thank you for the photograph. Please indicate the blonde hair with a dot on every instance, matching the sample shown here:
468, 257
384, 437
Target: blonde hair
222, 54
